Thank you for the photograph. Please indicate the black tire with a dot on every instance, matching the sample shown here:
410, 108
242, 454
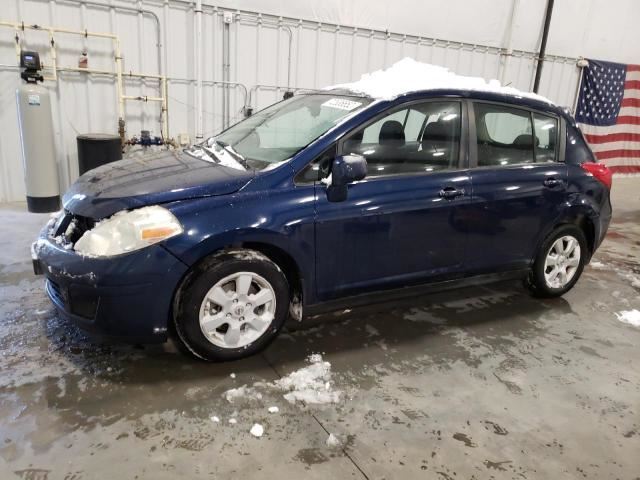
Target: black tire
190, 296
536, 281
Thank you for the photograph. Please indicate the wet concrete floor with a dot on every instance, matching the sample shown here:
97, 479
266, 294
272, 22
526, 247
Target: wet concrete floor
483, 382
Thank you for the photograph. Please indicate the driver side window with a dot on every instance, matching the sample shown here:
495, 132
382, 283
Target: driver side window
419, 138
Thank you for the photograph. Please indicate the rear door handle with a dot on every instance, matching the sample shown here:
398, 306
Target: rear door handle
450, 193
552, 182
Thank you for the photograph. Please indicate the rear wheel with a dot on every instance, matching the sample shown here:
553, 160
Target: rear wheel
232, 306
559, 262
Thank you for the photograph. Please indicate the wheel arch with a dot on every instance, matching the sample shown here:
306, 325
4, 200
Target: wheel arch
587, 226
289, 267
271, 246
581, 218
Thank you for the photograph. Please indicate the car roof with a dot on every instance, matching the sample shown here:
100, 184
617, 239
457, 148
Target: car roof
489, 96
408, 78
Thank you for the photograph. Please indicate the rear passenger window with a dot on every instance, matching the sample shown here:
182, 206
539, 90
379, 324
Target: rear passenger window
546, 129
423, 137
504, 135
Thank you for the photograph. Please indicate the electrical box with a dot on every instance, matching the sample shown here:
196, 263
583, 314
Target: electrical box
184, 139
30, 60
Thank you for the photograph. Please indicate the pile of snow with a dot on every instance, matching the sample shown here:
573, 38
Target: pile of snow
327, 180
215, 419
332, 441
242, 392
409, 75
632, 277
257, 430
632, 317
311, 384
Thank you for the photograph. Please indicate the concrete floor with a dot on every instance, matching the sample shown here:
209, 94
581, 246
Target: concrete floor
477, 383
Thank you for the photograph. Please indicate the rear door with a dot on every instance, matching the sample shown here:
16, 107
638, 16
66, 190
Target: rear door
519, 183
400, 224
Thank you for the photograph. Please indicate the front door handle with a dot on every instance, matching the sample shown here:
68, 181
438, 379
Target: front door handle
552, 182
450, 193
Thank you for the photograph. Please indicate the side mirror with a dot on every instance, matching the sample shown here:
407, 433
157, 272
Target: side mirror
346, 169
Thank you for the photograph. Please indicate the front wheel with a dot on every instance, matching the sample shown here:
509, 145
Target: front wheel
231, 306
559, 262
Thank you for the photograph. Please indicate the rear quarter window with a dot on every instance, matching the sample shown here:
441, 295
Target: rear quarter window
577, 151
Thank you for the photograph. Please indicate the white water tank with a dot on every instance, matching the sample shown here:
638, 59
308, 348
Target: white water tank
38, 148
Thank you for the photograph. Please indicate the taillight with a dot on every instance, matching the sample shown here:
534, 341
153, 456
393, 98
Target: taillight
600, 171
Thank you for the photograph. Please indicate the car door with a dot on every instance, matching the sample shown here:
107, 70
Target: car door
519, 183
399, 225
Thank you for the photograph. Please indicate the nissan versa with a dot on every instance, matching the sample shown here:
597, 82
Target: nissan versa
320, 201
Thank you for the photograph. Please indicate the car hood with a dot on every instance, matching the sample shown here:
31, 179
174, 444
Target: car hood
150, 179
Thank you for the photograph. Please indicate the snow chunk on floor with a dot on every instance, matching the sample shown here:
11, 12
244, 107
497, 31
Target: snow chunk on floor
409, 75
273, 409
242, 392
332, 441
232, 375
598, 265
257, 430
633, 278
311, 384
233, 421
371, 330
215, 419
632, 317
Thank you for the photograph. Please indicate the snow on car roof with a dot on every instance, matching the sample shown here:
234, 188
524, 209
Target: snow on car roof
409, 75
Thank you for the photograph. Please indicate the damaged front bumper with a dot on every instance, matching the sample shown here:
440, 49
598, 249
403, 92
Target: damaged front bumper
126, 297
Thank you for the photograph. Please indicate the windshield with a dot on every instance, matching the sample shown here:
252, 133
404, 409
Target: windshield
278, 132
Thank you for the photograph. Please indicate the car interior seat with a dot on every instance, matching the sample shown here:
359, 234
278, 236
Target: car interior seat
391, 134
437, 138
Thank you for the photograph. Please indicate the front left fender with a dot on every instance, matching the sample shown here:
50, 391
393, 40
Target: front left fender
283, 220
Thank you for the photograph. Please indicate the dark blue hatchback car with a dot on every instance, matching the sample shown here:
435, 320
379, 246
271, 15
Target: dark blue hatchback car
320, 201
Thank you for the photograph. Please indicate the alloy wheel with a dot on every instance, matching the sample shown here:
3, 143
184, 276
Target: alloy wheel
562, 261
237, 310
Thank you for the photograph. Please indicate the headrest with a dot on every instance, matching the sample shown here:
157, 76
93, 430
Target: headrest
525, 140
436, 131
391, 133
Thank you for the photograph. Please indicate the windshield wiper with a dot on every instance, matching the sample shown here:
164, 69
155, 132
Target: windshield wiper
235, 154
199, 148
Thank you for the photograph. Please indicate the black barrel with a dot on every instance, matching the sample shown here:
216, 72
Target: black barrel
96, 149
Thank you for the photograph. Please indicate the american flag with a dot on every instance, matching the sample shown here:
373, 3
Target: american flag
609, 113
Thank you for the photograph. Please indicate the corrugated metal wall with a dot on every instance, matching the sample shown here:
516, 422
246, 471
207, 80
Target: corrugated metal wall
268, 55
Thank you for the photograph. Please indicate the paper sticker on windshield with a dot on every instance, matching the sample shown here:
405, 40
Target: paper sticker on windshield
341, 104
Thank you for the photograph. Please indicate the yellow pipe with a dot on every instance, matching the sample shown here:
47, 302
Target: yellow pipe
84, 33
119, 86
143, 98
118, 73
54, 57
18, 49
165, 110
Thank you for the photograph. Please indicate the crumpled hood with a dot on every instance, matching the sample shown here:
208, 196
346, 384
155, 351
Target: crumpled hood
151, 179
